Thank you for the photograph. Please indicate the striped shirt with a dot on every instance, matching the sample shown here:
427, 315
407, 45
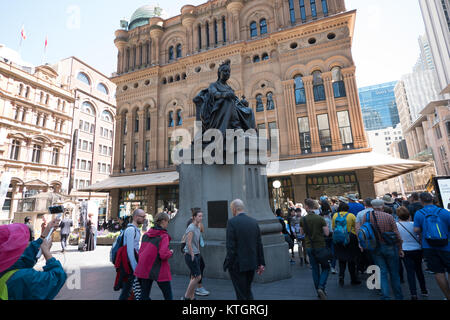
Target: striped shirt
386, 223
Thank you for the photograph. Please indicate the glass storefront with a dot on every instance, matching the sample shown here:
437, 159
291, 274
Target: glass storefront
280, 197
167, 197
132, 199
332, 185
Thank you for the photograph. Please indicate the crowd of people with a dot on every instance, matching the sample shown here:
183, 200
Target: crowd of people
332, 236
406, 234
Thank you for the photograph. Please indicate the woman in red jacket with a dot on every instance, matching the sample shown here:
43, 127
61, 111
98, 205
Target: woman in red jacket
153, 264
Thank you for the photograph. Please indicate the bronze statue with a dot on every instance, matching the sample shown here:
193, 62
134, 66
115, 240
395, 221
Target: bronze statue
219, 108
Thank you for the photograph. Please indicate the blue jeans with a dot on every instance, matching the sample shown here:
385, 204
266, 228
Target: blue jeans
387, 258
320, 278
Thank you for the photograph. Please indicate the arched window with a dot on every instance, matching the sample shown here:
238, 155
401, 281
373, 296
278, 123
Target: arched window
338, 83
128, 60
140, 55
208, 42
256, 59
263, 26
134, 57
170, 119
20, 89
147, 120
179, 50
300, 97
177, 77
183, 76
36, 156
55, 156
199, 30
224, 29
265, 56
27, 92
102, 88
88, 108
216, 33
325, 8
15, 150
253, 29
313, 9
171, 53
41, 98
107, 116
164, 81
47, 97
136, 121
292, 11
259, 103
170, 79
179, 118
125, 122
84, 78
318, 87
270, 102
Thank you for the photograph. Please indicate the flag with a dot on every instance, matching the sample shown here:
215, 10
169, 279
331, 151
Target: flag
46, 42
22, 33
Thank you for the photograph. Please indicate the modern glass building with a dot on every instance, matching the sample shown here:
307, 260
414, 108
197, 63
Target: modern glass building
378, 105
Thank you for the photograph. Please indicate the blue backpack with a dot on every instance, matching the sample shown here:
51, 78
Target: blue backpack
116, 246
340, 232
366, 235
434, 230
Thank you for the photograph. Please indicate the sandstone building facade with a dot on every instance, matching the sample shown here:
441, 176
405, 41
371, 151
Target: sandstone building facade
292, 60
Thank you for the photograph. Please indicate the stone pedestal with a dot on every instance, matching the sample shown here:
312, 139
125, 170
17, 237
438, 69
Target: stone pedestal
213, 188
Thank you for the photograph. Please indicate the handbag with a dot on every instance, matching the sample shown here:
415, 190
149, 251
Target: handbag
390, 238
322, 255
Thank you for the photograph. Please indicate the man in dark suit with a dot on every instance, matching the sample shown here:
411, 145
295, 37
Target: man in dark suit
245, 253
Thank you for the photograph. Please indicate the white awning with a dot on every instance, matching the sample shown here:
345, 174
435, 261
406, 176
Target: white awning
135, 181
385, 167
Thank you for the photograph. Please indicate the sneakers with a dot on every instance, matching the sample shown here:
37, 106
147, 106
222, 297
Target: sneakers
425, 293
333, 270
201, 292
292, 261
322, 294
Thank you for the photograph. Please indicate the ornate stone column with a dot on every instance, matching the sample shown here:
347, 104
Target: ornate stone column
138, 56
291, 118
311, 108
332, 115
234, 7
188, 22
156, 33
153, 139
359, 135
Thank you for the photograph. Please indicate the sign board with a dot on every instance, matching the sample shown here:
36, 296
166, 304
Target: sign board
442, 187
217, 214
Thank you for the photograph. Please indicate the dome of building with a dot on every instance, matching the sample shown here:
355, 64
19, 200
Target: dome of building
141, 16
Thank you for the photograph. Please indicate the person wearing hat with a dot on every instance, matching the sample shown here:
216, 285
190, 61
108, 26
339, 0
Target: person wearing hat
353, 205
18, 279
390, 203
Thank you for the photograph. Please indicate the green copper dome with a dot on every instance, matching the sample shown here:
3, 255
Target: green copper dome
140, 16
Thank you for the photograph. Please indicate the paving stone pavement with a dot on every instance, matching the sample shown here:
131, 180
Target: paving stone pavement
98, 275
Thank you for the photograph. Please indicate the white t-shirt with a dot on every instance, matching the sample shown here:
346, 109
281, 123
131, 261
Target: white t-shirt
409, 243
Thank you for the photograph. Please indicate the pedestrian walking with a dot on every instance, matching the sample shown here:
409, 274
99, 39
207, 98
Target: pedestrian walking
415, 205
245, 253
301, 248
200, 290
345, 243
192, 253
315, 229
326, 213
131, 239
285, 232
153, 264
388, 252
364, 259
433, 223
90, 234
353, 204
18, 278
65, 226
413, 253
27, 221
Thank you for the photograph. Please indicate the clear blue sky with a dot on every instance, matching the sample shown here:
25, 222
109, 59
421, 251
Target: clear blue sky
384, 48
